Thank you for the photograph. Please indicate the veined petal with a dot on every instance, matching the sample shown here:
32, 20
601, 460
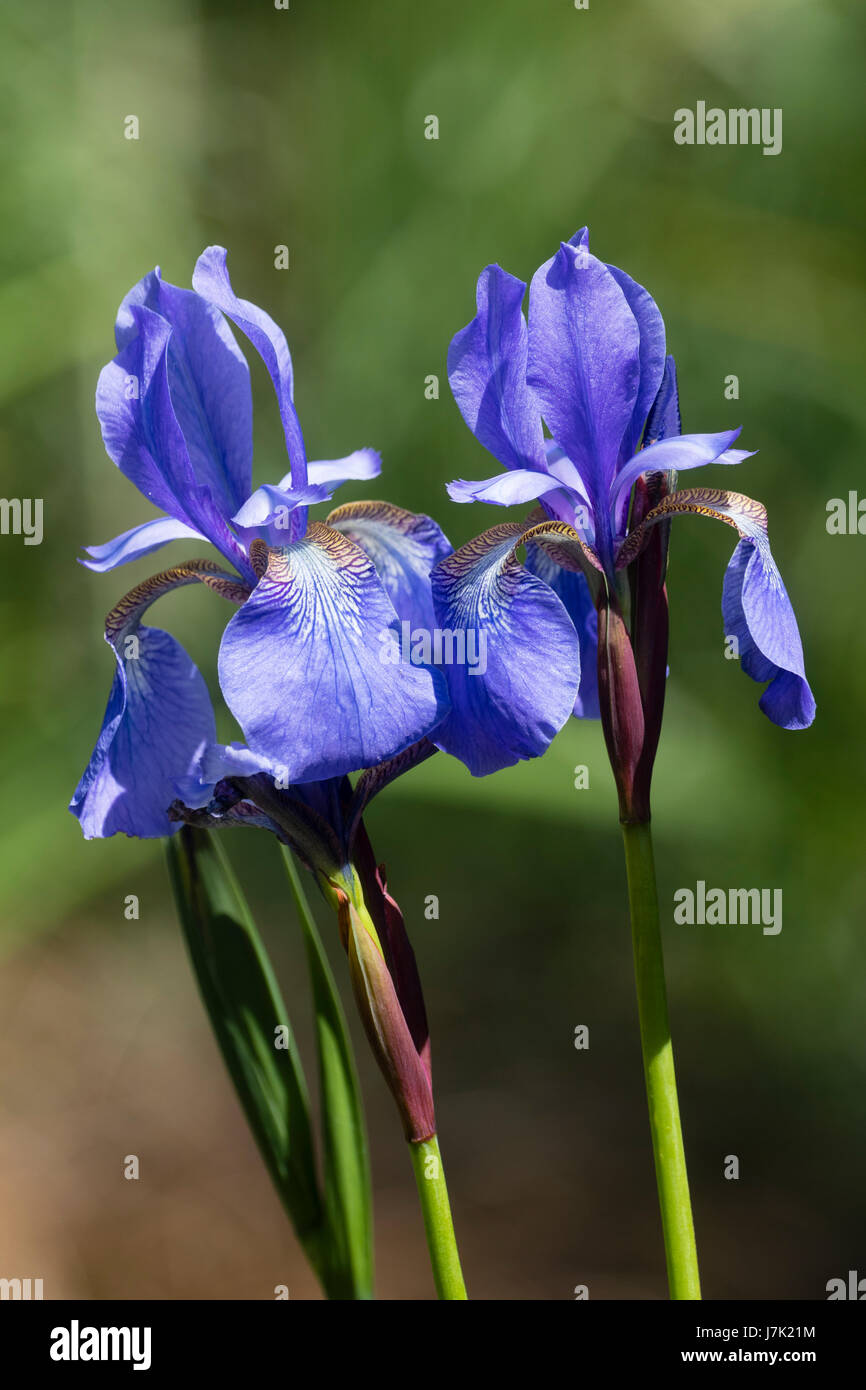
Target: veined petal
678, 454
357, 466
487, 372
211, 280
310, 666
651, 355
159, 717
511, 624
141, 540
572, 588
142, 434
139, 428
209, 384
758, 612
505, 489
584, 365
404, 547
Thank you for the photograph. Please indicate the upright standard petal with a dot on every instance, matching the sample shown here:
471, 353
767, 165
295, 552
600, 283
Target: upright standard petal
209, 384
651, 354
158, 721
487, 372
311, 666
584, 366
143, 437
404, 547
518, 678
211, 280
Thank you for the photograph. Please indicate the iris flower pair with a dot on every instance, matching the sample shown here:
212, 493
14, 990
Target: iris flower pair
314, 599
580, 407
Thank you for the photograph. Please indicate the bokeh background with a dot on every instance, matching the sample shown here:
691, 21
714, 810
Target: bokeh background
305, 127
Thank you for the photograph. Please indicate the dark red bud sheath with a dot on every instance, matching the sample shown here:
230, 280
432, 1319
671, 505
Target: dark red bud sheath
383, 1018
650, 627
622, 715
391, 929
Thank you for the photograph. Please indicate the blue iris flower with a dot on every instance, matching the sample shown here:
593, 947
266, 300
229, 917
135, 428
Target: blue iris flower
591, 365
300, 663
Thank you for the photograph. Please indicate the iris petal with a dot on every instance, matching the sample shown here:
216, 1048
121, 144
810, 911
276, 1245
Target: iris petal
158, 721
678, 454
143, 437
404, 547
141, 540
651, 354
755, 604
664, 416
504, 706
572, 588
584, 365
211, 280
209, 384
505, 489
487, 372
758, 612
268, 505
310, 665
357, 466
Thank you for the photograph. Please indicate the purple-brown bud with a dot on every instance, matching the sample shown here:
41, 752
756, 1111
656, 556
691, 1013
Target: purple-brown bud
404, 1066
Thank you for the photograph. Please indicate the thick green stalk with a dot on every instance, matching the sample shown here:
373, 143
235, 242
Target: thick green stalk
658, 1060
436, 1210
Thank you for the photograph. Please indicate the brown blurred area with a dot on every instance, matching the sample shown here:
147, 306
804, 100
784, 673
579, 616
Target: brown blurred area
105, 1052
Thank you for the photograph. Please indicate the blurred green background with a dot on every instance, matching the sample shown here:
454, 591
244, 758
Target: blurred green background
261, 127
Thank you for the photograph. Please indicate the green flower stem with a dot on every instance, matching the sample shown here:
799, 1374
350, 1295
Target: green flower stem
436, 1209
426, 1157
658, 1060
348, 1189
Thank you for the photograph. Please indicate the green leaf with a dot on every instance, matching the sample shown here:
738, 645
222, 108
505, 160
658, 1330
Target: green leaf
348, 1195
246, 1010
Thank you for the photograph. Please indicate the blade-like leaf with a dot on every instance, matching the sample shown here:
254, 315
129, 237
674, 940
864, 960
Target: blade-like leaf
248, 1015
348, 1197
